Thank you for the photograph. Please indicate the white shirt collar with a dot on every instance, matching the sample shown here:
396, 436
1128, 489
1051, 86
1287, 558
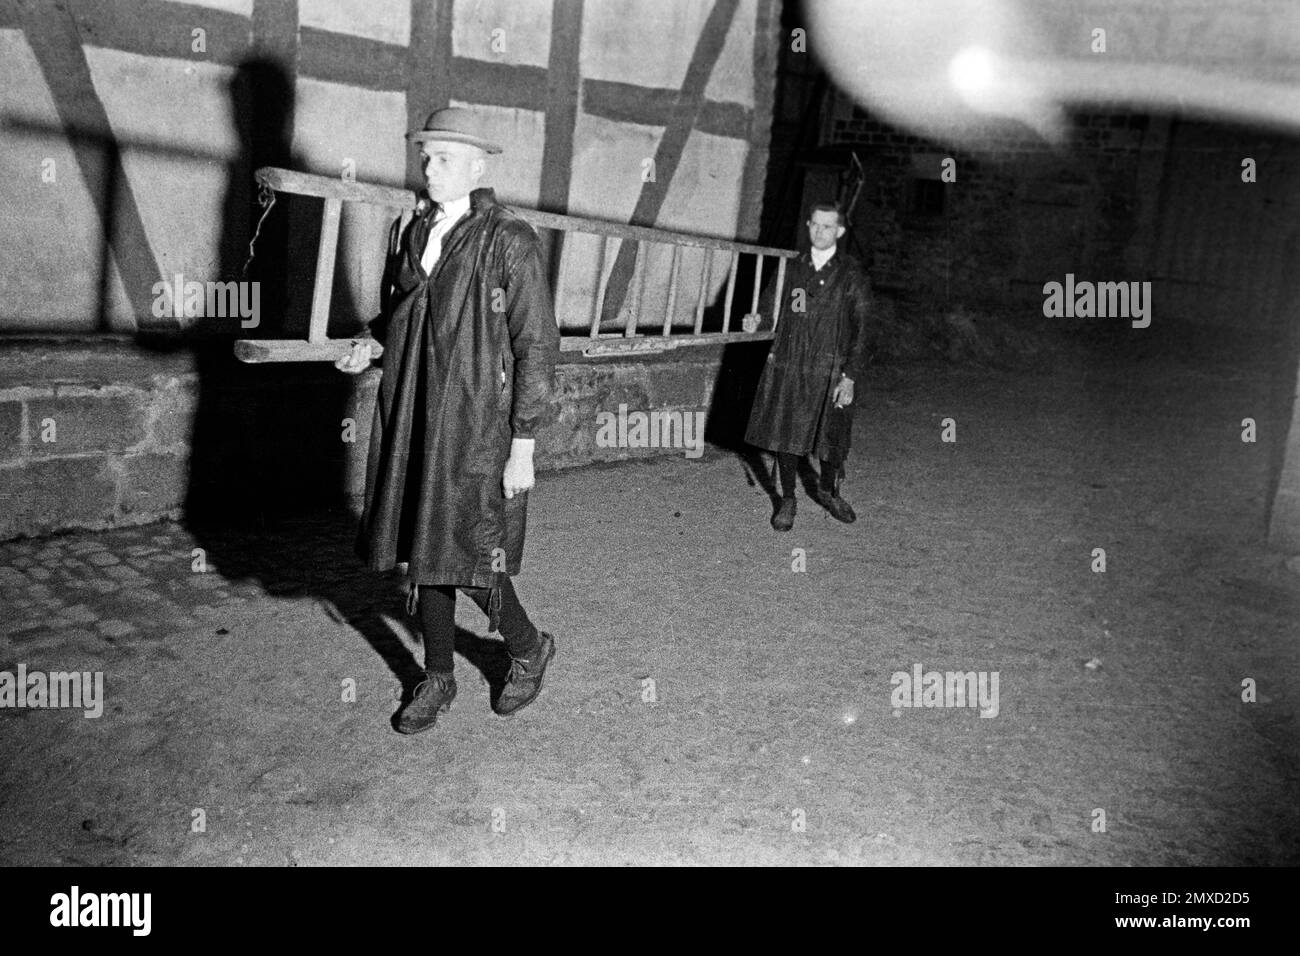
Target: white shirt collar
455, 208
821, 256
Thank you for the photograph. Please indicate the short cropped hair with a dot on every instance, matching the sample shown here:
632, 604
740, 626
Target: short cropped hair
828, 207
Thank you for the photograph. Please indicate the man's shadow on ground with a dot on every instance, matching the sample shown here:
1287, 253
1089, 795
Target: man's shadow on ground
292, 556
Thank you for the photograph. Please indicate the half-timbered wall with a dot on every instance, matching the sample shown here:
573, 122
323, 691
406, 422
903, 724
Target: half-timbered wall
131, 129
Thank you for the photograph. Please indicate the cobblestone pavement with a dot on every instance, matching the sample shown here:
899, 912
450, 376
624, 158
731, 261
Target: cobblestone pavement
710, 701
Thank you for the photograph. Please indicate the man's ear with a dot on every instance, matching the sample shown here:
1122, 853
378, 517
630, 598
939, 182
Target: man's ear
839, 233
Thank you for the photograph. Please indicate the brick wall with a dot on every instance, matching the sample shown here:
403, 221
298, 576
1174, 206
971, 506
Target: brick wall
1018, 213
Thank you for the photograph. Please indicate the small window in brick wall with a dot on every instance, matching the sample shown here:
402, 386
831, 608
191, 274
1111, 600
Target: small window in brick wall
926, 191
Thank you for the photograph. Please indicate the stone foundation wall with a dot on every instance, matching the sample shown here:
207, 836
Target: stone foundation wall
101, 434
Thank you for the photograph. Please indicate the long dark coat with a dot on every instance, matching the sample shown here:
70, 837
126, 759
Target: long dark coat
469, 363
793, 410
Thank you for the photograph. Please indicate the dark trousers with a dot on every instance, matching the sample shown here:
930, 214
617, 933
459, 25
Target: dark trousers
787, 464
437, 608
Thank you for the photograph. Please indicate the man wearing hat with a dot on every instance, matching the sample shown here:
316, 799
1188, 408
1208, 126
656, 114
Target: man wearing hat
469, 362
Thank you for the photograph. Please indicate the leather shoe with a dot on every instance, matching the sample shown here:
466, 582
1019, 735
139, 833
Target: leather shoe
840, 509
783, 520
525, 680
433, 695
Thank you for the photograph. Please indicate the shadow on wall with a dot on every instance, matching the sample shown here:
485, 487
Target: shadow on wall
266, 443
267, 496
266, 439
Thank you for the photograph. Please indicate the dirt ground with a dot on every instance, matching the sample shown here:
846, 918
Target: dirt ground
770, 735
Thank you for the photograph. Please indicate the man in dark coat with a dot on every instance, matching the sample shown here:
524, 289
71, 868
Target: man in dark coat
804, 402
469, 362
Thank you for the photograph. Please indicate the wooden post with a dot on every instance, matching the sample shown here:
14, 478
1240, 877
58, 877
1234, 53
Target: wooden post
731, 292
638, 280
780, 290
325, 253
758, 283
602, 280
704, 290
672, 291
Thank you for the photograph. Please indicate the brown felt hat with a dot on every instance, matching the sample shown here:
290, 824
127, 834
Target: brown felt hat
455, 124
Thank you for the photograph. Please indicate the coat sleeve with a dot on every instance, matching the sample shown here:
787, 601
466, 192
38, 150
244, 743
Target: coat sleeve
378, 325
398, 278
858, 302
534, 336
